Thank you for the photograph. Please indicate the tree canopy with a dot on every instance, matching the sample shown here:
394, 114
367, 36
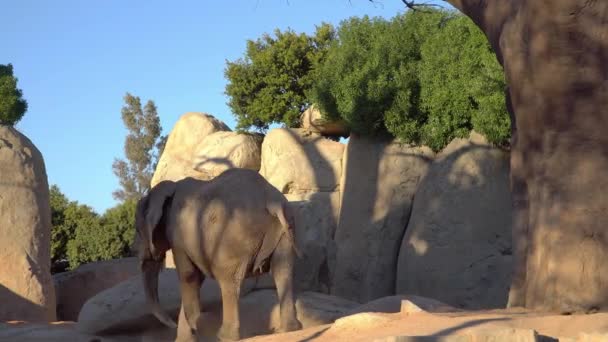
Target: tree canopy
423, 77
80, 235
462, 86
269, 84
12, 104
143, 146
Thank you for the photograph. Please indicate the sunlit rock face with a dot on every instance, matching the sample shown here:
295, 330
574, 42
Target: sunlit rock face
457, 245
26, 286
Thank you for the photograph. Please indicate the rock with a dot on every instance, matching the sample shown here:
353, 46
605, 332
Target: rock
75, 287
361, 321
404, 304
296, 161
489, 335
592, 337
124, 305
220, 151
176, 161
457, 246
306, 167
260, 312
502, 335
315, 225
313, 121
123, 309
417, 304
26, 286
377, 189
57, 332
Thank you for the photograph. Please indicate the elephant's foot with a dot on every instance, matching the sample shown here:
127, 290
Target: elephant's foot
228, 332
291, 325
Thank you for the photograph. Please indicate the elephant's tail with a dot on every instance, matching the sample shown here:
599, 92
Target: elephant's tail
283, 213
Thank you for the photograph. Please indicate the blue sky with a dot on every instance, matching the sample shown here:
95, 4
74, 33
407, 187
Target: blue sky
76, 59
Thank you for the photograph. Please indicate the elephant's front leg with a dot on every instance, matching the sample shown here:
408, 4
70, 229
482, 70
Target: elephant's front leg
281, 266
190, 280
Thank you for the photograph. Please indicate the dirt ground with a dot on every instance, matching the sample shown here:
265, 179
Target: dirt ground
364, 327
368, 326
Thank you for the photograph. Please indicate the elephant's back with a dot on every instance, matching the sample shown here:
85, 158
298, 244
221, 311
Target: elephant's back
235, 196
243, 187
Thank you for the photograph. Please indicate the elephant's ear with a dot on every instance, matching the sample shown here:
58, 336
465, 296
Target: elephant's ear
153, 231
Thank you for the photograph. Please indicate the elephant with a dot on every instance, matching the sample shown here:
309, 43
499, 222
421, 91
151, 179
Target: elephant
234, 226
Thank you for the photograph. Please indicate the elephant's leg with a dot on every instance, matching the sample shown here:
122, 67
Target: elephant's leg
281, 266
190, 280
231, 291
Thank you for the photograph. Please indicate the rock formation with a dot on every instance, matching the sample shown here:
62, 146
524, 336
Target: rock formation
377, 187
307, 167
75, 287
457, 246
312, 120
222, 150
176, 161
26, 287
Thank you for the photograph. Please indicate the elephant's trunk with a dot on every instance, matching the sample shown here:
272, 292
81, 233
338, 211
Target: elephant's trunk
151, 270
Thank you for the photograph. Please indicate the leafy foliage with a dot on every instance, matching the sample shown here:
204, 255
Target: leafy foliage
269, 84
79, 235
142, 147
12, 104
424, 77
369, 77
462, 86
111, 237
60, 232
108, 238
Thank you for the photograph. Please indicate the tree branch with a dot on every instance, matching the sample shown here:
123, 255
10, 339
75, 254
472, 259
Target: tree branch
414, 6
489, 15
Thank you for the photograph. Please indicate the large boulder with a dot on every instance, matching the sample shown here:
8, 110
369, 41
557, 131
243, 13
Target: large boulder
477, 335
315, 221
175, 162
457, 246
75, 287
222, 150
26, 286
297, 161
312, 120
377, 188
403, 304
122, 308
307, 167
53, 332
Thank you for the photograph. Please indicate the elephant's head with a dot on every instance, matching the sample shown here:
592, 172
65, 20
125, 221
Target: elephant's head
150, 222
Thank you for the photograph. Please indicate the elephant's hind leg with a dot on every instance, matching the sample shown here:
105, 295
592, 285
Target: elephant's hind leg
230, 286
190, 280
281, 267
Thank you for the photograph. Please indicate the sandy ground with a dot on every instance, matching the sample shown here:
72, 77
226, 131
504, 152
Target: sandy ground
361, 327
367, 326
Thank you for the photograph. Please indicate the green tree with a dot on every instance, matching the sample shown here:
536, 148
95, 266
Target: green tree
12, 104
142, 146
462, 86
369, 77
423, 77
79, 218
60, 233
109, 237
269, 84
